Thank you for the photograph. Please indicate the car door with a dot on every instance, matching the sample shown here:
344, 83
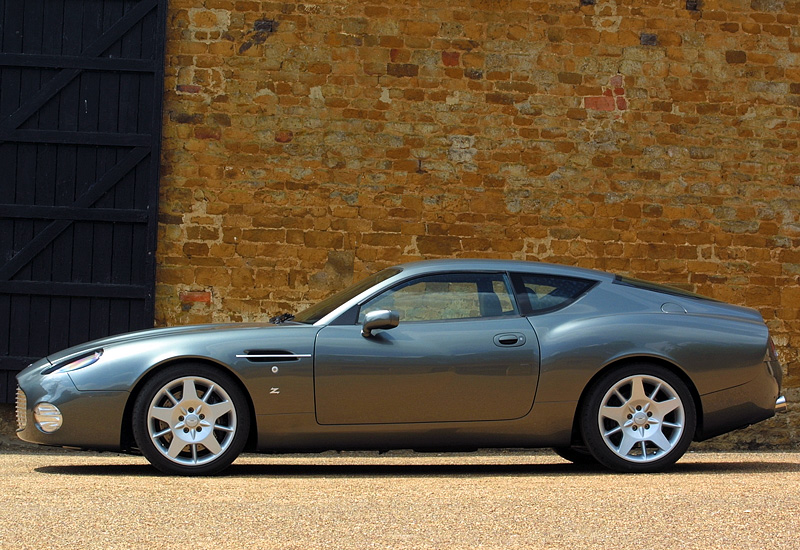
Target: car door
461, 352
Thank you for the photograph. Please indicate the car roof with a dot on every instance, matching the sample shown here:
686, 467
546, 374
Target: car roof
473, 264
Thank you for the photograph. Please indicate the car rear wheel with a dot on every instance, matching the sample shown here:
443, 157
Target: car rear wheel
640, 418
191, 419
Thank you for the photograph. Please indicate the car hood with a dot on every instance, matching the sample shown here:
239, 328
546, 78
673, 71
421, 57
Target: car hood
155, 333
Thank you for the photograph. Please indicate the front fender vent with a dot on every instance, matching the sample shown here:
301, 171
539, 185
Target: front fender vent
271, 355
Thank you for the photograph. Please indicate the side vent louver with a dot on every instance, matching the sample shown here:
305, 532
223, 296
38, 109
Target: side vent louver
270, 355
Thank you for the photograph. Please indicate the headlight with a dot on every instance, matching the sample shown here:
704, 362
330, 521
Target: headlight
48, 417
77, 363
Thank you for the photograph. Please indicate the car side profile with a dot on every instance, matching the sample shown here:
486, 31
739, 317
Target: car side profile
434, 355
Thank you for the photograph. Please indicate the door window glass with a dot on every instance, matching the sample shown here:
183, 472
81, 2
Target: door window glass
446, 296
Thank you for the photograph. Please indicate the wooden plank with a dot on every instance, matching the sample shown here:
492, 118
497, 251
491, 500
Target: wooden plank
53, 24
59, 309
67, 213
108, 114
16, 363
79, 317
128, 121
151, 51
25, 193
66, 192
85, 290
38, 343
5, 325
12, 20
7, 379
76, 138
32, 31
18, 330
8, 159
98, 318
120, 316
32, 37
45, 178
77, 62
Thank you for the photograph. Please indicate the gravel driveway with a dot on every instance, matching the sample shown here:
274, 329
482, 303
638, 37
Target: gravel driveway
400, 500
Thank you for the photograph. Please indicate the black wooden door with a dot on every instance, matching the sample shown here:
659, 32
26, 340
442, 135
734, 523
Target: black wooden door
80, 127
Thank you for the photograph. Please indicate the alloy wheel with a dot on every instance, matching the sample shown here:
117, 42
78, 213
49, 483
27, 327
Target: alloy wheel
191, 420
641, 418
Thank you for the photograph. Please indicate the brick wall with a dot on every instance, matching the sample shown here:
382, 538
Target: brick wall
306, 145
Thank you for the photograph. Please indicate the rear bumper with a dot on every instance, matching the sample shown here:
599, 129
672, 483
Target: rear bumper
741, 406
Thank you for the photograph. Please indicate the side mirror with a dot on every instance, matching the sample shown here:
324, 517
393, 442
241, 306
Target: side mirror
380, 319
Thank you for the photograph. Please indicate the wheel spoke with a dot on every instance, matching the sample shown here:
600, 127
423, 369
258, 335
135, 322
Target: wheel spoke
175, 447
189, 390
637, 389
218, 409
617, 414
208, 393
162, 433
161, 413
663, 408
661, 440
653, 394
612, 431
626, 444
212, 445
171, 397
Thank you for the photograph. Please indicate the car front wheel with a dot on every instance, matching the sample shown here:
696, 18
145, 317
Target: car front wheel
640, 418
191, 420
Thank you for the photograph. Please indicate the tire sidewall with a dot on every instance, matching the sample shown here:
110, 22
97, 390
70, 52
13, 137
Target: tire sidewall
145, 397
593, 438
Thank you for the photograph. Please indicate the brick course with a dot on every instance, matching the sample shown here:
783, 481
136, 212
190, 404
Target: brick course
306, 145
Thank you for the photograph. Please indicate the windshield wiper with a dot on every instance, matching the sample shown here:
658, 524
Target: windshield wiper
278, 319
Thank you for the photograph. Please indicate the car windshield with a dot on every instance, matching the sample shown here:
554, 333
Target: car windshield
318, 311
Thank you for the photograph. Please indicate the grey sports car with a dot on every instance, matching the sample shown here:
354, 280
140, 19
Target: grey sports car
438, 355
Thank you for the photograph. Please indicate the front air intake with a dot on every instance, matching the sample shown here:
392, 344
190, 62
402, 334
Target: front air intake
22, 405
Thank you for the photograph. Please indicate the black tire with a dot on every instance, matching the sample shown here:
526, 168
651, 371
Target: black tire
638, 418
191, 419
577, 455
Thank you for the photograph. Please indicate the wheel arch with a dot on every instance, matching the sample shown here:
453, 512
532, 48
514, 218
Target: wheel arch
127, 441
622, 362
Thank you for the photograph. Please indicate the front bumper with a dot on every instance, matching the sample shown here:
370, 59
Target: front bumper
90, 419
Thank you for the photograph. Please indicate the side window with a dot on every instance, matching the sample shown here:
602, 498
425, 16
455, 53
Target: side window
549, 292
446, 296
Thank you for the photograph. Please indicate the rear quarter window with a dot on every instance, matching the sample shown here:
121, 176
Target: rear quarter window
539, 293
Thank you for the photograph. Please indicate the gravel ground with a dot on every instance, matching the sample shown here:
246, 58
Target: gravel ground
509, 499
